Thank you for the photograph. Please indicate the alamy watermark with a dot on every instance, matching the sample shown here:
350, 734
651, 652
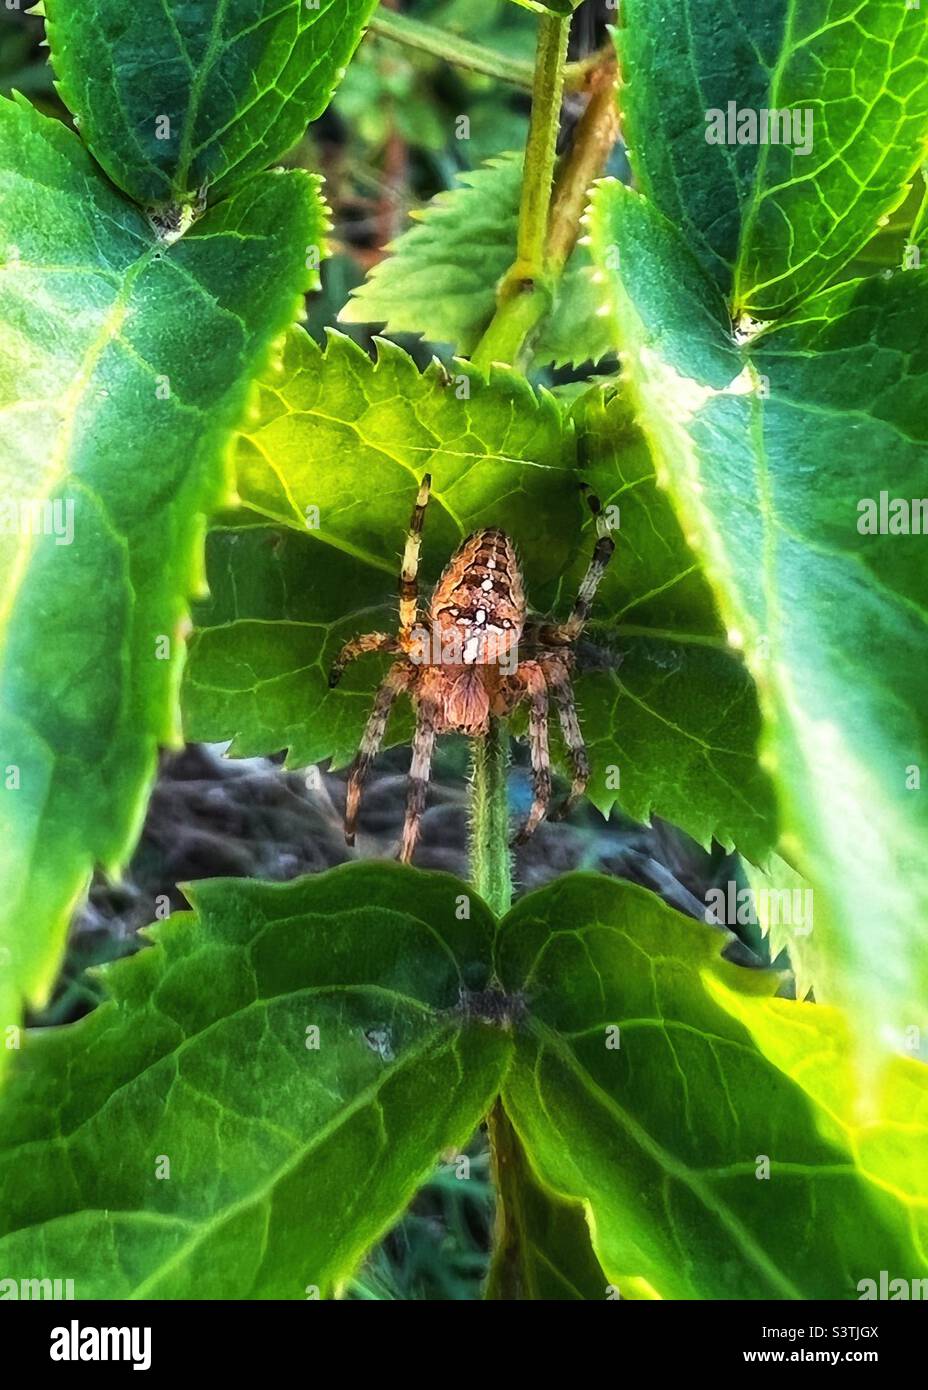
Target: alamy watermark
892, 516
745, 126
82, 1343
477, 643
34, 1290
731, 906
40, 516
892, 1290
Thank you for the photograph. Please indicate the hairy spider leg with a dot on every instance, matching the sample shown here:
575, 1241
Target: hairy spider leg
409, 594
563, 634
409, 574
423, 744
394, 683
535, 687
369, 642
557, 676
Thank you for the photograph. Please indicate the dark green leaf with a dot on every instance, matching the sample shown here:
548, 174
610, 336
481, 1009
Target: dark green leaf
769, 222
172, 97
195, 1139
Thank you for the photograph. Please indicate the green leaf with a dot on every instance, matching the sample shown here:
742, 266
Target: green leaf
770, 223
281, 608
173, 97
197, 1137
126, 366
890, 248
885, 1129
666, 707
290, 1152
776, 454
663, 1126
331, 424
441, 277
669, 710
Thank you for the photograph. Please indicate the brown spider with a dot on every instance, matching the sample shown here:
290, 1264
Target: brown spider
465, 667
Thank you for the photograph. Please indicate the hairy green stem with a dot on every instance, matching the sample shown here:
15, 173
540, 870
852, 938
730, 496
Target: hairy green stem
490, 856
524, 296
541, 148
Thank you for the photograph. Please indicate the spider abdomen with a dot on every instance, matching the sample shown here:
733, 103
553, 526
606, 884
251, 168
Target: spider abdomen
478, 605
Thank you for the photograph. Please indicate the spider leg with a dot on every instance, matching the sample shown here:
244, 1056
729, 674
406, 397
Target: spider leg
536, 692
558, 679
396, 681
562, 634
423, 744
409, 575
369, 642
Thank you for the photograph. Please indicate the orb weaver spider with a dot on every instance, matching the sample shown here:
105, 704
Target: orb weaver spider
465, 667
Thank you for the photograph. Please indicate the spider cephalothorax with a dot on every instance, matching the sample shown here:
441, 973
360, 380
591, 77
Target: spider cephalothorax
470, 665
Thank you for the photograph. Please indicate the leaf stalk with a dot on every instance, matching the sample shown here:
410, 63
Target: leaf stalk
473, 57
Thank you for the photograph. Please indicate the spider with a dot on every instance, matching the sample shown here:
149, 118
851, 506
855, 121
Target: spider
466, 667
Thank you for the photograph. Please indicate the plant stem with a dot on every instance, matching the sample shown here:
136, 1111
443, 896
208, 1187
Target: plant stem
523, 296
548, 232
491, 875
526, 294
490, 857
541, 148
463, 53
512, 327
453, 49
